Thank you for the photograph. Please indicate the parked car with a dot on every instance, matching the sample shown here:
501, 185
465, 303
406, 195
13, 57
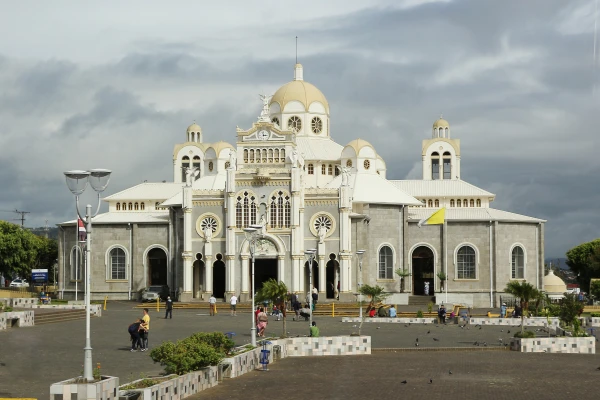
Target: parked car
19, 283
152, 293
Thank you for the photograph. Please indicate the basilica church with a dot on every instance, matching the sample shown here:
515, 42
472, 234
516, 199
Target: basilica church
286, 177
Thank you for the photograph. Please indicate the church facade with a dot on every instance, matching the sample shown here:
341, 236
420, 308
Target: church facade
288, 178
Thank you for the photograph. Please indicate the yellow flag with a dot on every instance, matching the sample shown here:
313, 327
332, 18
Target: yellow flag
437, 218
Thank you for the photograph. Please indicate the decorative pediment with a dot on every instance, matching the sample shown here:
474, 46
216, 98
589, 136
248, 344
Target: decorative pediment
265, 132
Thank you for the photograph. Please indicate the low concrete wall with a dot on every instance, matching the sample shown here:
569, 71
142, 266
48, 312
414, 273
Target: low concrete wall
179, 387
534, 321
95, 309
105, 389
570, 345
25, 318
22, 302
393, 320
4, 293
592, 322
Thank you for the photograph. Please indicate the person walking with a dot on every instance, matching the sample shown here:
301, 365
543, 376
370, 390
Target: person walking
315, 298
503, 310
169, 308
314, 330
263, 321
134, 333
233, 303
212, 303
145, 329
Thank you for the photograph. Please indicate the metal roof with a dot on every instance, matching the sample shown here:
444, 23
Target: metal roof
440, 188
312, 148
471, 214
147, 191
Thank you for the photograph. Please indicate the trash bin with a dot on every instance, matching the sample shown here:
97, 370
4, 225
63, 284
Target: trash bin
276, 353
264, 357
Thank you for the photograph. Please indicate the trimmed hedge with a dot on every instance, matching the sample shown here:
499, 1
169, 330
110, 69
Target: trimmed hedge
525, 334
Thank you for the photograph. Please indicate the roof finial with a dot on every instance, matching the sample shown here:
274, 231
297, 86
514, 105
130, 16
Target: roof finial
441, 116
296, 49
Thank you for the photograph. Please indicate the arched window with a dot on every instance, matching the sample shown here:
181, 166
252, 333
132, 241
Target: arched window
466, 263
447, 166
280, 215
252, 155
337, 170
142, 206
136, 206
386, 263
323, 169
330, 170
465, 203
210, 166
117, 264
282, 155
478, 202
118, 206
311, 169
130, 206
446, 133
270, 156
196, 164
245, 210
458, 203
185, 163
437, 203
76, 264
435, 165
451, 202
246, 156
156, 205
275, 121
518, 263
349, 163
471, 203
276, 155
430, 203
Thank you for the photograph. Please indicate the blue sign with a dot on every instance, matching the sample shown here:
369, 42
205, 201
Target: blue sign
39, 275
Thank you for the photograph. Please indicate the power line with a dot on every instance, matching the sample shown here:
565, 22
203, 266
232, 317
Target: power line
22, 219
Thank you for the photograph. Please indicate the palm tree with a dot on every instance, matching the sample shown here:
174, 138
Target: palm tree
376, 294
403, 274
276, 292
525, 292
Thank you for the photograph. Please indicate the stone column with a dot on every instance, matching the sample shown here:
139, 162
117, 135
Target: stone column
345, 272
321, 269
281, 268
297, 265
188, 277
245, 274
208, 270
230, 274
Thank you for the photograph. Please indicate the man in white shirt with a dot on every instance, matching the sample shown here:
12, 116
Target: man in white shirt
233, 303
212, 302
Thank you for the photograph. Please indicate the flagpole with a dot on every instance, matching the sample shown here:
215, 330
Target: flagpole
76, 256
445, 240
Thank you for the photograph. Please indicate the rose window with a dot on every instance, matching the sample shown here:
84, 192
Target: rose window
209, 222
367, 164
295, 124
317, 125
323, 221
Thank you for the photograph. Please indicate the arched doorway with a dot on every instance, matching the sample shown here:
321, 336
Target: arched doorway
219, 277
198, 276
422, 270
315, 277
332, 275
157, 267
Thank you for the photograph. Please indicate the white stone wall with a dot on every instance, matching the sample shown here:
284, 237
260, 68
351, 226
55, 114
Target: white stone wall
25, 318
534, 321
179, 387
571, 345
105, 389
393, 320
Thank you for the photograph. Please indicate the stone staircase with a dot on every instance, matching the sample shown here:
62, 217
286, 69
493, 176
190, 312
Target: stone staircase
420, 300
58, 316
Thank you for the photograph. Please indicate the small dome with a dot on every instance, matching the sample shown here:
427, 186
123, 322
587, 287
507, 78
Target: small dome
220, 146
441, 123
194, 128
299, 90
553, 285
358, 144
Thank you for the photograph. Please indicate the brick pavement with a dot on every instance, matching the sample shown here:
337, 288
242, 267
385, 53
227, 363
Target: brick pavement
33, 358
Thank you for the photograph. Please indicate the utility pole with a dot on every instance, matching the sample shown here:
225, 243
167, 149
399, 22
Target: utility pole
22, 217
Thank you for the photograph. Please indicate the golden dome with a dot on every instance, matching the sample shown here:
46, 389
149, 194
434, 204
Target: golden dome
358, 144
299, 90
553, 284
441, 123
220, 146
194, 128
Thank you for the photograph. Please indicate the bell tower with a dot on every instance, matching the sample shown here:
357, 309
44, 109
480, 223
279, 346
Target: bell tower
441, 154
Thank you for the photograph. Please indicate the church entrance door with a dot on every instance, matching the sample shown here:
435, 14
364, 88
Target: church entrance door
219, 277
422, 271
157, 267
264, 269
332, 273
315, 278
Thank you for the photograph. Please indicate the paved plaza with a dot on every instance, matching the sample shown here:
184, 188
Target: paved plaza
31, 359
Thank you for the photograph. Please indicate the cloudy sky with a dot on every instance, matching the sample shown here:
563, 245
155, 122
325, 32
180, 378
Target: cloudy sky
114, 85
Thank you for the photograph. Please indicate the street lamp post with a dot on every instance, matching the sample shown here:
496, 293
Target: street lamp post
77, 182
360, 253
310, 254
253, 232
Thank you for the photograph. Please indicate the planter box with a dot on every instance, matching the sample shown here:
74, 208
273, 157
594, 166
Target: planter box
23, 318
325, 346
242, 363
388, 320
570, 345
178, 387
533, 321
105, 389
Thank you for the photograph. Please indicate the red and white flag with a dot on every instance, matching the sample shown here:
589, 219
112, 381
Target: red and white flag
82, 231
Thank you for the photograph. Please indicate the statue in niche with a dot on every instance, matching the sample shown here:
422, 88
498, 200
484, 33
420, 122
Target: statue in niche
294, 158
232, 160
263, 223
345, 174
264, 114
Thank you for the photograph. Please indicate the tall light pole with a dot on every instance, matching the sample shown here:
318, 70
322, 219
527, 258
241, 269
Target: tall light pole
253, 233
77, 182
310, 256
360, 253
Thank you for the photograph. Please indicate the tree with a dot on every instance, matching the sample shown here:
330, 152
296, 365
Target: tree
584, 261
402, 273
595, 289
276, 292
375, 293
570, 309
18, 250
525, 292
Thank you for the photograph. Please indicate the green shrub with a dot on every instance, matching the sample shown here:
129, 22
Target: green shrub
595, 314
430, 307
525, 334
419, 314
193, 353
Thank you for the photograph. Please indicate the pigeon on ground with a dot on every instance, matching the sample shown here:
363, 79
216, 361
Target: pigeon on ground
430, 380
406, 326
403, 382
378, 327
479, 328
485, 344
417, 340
476, 344
436, 340
428, 332
598, 368
416, 344
449, 372
501, 330
508, 332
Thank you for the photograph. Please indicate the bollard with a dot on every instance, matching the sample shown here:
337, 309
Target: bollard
157, 303
105, 299
333, 309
